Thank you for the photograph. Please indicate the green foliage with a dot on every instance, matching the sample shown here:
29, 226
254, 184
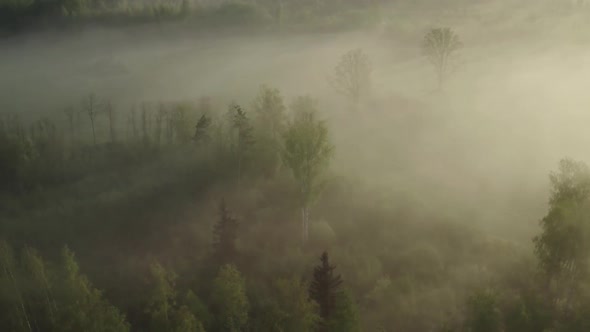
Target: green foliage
199, 309
40, 290
270, 109
483, 314
39, 299
228, 299
185, 321
15, 315
528, 313
82, 307
307, 149
163, 308
346, 316
562, 247
241, 124
242, 138
162, 299
307, 152
299, 312
265, 314
408, 277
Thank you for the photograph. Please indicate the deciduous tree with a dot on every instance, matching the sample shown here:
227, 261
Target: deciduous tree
298, 311
229, 300
352, 76
441, 46
563, 247
306, 151
269, 108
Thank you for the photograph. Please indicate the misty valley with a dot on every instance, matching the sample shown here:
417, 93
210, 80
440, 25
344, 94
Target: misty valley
294, 166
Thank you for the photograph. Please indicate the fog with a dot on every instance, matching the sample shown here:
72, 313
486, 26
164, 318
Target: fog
478, 152
514, 108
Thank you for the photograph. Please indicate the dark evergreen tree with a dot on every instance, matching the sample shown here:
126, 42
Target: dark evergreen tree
245, 137
202, 129
324, 290
225, 234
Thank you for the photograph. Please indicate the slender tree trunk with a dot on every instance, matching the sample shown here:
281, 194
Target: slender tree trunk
134, 123
305, 223
111, 122
303, 233
144, 129
91, 109
93, 131
18, 295
307, 211
239, 170
159, 117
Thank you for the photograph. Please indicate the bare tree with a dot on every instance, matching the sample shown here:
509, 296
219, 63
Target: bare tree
110, 113
144, 123
440, 47
70, 113
352, 76
160, 116
132, 123
90, 105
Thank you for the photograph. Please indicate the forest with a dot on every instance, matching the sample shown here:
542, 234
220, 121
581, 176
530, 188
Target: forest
328, 166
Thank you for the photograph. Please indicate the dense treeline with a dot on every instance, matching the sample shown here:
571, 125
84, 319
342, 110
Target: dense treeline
40, 157
202, 14
111, 184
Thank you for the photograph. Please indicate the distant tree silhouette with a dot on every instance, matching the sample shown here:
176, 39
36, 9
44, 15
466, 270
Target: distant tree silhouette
245, 138
352, 76
324, 290
225, 234
70, 115
440, 46
109, 109
91, 108
202, 130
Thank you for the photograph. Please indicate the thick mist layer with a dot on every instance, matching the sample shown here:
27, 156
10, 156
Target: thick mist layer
514, 107
170, 161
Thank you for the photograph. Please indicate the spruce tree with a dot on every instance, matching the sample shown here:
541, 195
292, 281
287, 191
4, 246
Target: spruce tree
324, 290
202, 130
245, 138
225, 234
